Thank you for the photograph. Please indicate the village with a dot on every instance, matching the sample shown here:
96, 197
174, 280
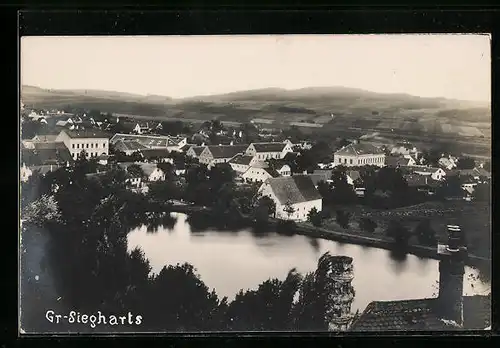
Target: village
306, 180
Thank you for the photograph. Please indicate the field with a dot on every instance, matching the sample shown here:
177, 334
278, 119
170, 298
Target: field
473, 217
355, 110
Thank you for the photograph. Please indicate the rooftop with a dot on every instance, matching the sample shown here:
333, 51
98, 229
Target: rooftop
154, 153
149, 141
294, 189
396, 161
87, 133
226, 151
45, 156
128, 145
241, 159
421, 315
198, 149
359, 149
269, 147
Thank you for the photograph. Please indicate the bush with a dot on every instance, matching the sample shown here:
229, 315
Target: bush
286, 226
314, 217
343, 218
425, 234
398, 233
368, 225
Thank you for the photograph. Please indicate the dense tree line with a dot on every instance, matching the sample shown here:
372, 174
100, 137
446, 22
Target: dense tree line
87, 221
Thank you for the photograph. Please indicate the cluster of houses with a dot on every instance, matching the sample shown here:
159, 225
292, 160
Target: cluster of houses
261, 162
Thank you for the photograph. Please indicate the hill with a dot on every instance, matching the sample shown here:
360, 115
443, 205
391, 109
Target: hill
319, 108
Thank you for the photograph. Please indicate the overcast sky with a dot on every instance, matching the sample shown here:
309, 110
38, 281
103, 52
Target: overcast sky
452, 66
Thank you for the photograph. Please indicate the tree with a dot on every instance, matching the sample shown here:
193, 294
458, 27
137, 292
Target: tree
168, 169
398, 233
368, 225
482, 192
343, 192
289, 209
466, 163
264, 208
342, 218
425, 233
314, 217
30, 128
450, 187
431, 157
135, 171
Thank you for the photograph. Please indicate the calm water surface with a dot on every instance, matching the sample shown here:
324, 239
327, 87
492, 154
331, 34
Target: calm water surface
230, 261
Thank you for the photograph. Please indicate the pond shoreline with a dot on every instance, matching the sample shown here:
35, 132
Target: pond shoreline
305, 229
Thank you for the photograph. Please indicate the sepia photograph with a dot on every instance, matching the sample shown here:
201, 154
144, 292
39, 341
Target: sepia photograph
255, 183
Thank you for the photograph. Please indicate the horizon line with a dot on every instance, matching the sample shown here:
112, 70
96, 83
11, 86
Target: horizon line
258, 89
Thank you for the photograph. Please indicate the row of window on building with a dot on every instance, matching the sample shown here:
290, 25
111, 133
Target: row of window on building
86, 146
370, 160
89, 154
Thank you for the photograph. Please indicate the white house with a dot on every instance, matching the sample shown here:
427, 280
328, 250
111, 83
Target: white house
241, 163
297, 192
434, 173
152, 172
215, 154
254, 174
284, 170
141, 128
264, 151
359, 154
447, 163
93, 142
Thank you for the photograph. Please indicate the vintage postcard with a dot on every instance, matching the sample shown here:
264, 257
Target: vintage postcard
274, 183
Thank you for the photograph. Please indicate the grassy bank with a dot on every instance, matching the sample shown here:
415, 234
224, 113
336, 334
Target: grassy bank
473, 217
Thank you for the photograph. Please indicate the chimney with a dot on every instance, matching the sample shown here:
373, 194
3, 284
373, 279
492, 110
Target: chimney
451, 275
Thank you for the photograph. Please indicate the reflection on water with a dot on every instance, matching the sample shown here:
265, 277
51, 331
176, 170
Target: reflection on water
229, 261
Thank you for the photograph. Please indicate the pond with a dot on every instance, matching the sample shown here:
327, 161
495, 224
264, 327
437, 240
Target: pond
232, 260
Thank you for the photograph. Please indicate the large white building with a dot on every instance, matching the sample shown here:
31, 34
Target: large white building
94, 142
296, 191
359, 154
265, 151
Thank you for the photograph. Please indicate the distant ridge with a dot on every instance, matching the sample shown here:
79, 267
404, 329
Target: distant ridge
271, 93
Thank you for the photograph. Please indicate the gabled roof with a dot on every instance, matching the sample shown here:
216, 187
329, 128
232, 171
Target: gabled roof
359, 149
354, 175
87, 133
271, 172
44, 169
269, 147
45, 156
128, 145
326, 173
154, 153
396, 161
241, 159
226, 151
197, 149
149, 141
316, 178
422, 315
415, 180
294, 189
471, 172
424, 169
